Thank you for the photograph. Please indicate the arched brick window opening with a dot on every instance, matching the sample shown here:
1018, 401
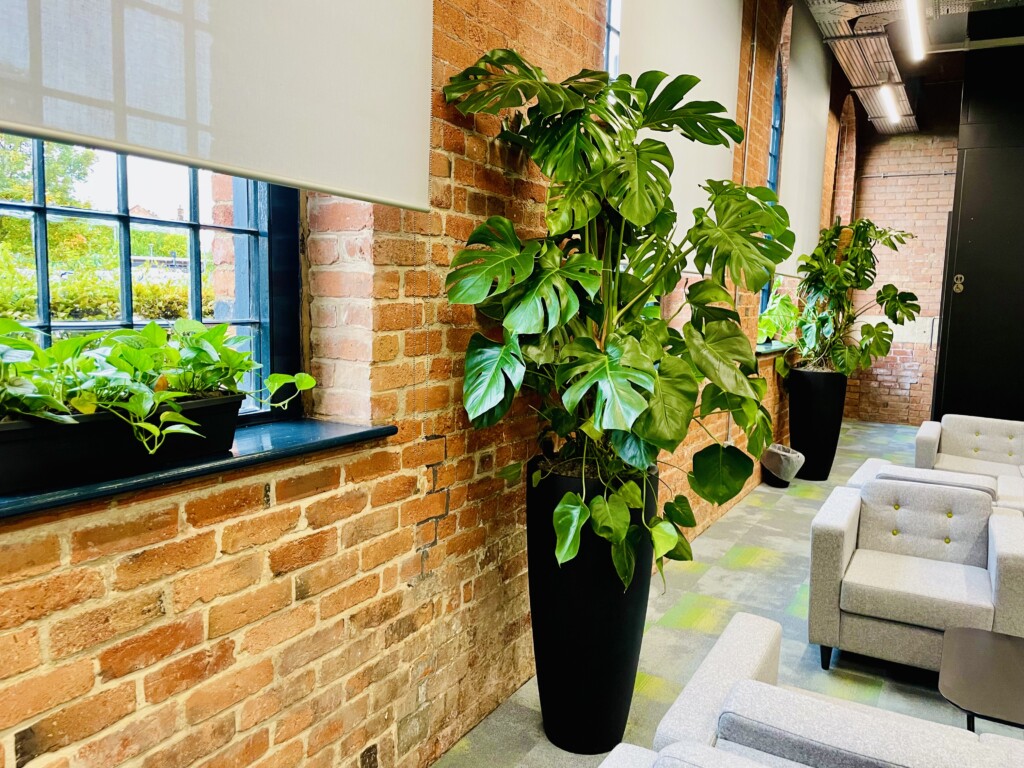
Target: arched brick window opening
846, 163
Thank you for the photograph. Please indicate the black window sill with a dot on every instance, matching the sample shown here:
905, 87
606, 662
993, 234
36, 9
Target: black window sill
256, 444
771, 348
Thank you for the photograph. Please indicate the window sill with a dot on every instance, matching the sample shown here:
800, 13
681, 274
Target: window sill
256, 444
771, 349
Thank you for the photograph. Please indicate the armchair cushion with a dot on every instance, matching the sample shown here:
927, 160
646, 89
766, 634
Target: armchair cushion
629, 756
973, 437
928, 521
690, 754
953, 463
918, 591
810, 731
1006, 570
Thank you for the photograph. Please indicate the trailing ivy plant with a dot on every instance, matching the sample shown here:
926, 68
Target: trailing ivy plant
580, 323
832, 336
138, 376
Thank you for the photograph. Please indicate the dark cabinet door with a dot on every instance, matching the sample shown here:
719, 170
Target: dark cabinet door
981, 356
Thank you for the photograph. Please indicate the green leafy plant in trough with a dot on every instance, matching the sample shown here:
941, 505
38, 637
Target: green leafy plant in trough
138, 376
832, 336
778, 319
577, 316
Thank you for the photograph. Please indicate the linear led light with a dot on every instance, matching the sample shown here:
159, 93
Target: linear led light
915, 23
888, 96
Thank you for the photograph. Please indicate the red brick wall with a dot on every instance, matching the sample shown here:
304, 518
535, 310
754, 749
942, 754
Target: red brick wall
358, 607
905, 182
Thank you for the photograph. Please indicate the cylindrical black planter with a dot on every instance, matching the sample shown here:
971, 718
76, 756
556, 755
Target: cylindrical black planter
587, 629
816, 400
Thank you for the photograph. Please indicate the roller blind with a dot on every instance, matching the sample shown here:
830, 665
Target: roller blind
330, 95
804, 134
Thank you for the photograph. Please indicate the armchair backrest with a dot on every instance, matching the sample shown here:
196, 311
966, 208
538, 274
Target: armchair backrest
975, 437
932, 521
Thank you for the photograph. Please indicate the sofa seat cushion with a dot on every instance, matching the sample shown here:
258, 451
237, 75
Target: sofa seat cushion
629, 756
914, 590
690, 754
1006, 751
807, 730
1010, 492
953, 463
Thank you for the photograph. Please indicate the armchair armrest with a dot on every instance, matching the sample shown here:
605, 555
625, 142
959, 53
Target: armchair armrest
926, 444
833, 540
748, 649
1006, 570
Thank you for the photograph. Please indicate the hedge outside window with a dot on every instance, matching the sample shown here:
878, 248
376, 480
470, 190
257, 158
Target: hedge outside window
91, 240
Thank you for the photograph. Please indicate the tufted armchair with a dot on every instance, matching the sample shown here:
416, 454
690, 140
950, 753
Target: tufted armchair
894, 564
981, 446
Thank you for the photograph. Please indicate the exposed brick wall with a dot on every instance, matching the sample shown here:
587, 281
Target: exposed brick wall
905, 182
844, 190
359, 607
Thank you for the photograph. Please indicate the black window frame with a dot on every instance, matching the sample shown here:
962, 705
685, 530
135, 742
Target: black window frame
775, 151
273, 235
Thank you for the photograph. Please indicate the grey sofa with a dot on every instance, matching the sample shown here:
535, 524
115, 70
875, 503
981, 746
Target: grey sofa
973, 444
894, 564
732, 715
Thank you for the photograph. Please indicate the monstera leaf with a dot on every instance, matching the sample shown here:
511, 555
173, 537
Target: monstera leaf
743, 235
479, 273
667, 420
633, 449
547, 299
876, 340
613, 373
719, 472
494, 373
501, 80
637, 183
697, 120
572, 205
718, 353
899, 306
701, 297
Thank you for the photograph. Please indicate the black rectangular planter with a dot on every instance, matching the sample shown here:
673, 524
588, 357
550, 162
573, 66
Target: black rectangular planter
44, 456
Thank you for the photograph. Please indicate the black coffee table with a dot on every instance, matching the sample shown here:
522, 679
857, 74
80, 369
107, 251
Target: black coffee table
982, 673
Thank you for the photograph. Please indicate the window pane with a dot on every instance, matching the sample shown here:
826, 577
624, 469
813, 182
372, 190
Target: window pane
250, 381
15, 168
160, 264
17, 268
85, 272
225, 259
223, 200
612, 54
80, 177
615, 14
157, 190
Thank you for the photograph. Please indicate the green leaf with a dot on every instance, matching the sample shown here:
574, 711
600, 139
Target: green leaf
510, 473
154, 334
638, 183
665, 537
743, 234
719, 352
9, 355
633, 449
719, 472
876, 340
181, 429
702, 295
86, 402
479, 273
624, 559
183, 326
572, 204
680, 513
547, 299
569, 517
275, 381
494, 373
502, 79
304, 381
630, 495
612, 374
899, 306
609, 517
667, 419
696, 120
174, 417
681, 551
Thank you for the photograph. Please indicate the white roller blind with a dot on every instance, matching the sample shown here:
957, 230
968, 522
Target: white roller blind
696, 37
804, 133
331, 95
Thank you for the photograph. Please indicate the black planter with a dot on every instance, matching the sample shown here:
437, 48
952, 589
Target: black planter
587, 630
816, 400
42, 456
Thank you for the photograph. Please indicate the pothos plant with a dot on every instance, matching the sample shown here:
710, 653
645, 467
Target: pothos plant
138, 376
832, 336
581, 328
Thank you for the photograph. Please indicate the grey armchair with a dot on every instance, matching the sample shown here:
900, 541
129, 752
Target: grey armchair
895, 564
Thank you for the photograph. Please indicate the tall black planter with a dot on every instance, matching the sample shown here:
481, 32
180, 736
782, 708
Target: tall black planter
586, 629
816, 400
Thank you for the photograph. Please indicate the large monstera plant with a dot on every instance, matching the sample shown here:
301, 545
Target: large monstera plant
581, 326
832, 335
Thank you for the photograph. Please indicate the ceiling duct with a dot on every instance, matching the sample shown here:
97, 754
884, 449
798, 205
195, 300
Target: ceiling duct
856, 32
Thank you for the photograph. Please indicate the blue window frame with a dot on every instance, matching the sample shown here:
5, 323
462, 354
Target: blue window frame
95, 240
774, 154
612, 27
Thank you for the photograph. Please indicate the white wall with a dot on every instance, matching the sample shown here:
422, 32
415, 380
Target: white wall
694, 37
804, 130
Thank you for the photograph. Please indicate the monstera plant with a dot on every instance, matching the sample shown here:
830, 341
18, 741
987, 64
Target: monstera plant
581, 325
577, 323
